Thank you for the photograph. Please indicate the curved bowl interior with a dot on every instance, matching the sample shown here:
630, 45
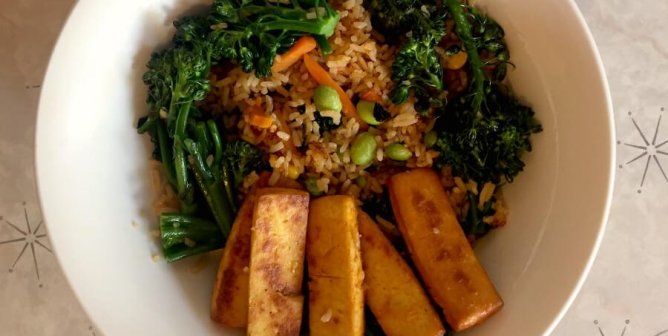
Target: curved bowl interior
94, 185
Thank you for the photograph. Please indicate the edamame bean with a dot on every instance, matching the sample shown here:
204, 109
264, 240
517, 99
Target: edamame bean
398, 152
326, 98
363, 149
371, 113
311, 185
430, 139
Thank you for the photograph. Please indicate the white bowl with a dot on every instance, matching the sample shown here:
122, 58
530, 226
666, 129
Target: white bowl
93, 176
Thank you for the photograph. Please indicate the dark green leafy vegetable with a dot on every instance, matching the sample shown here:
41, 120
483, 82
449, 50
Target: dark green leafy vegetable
417, 66
241, 158
252, 32
325, 124
486, 145
379, 205
472, 221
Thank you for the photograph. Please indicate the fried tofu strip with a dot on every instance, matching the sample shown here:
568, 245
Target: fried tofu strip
278, 237
336, 297
440, 250
391, 289
229, 302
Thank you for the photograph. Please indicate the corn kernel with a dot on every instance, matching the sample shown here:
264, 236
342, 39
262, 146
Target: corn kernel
293, 172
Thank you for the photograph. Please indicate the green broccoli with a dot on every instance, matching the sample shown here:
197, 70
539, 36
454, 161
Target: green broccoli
252, 32
487, 144
241, 158
419, 27
417, 67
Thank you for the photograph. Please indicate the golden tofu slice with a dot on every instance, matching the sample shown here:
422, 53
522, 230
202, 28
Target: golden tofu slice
391, 289
229, 302
440, 250
278, 236
336, 297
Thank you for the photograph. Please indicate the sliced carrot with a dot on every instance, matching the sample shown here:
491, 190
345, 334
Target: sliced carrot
322, 77
372, 96
290, 57
257, 117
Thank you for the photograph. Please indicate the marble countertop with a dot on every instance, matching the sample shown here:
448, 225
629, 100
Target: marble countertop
626, 292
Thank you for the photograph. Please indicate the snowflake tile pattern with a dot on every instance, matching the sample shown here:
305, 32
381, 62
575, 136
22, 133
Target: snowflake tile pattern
648, 151
29, 237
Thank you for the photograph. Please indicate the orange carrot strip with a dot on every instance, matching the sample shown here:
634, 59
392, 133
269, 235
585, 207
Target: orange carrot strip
257, 117
322, 77
372, 96
290, 57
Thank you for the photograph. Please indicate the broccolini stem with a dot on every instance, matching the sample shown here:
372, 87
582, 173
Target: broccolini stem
221, 170
463, 29
180, 159
147, 123
165, 152
322, 26
202, 135
182, 251
216, 141
175, 228
325, 48
226, 178
211, 188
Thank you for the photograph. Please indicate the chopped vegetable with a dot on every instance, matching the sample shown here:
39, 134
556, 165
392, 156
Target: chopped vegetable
278, 238
304, 45
363, 149
211, 185
325, 124
336, 297
419, 26
440, 250
311, 185
241, 158
326, 98
430, 139
372, 95
257, 30
378, 205
456, 61
293, 172
398, 152
321, 76
417, 67
372, 113
183, 236
257, 117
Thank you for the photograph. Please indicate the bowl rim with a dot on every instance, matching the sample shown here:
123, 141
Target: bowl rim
612, 154
593, 251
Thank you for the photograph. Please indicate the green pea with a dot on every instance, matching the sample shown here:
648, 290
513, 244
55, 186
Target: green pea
311, 185
430, 139
363, 149
398, 152
327, 99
